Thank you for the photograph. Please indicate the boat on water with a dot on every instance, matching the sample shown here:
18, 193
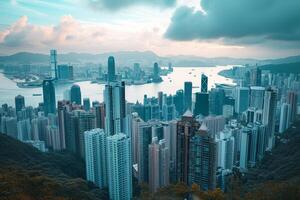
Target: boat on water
36, 95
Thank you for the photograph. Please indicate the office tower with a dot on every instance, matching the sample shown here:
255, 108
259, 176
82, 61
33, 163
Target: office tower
53, 138
115, 107
188, 86
253, 139
11, 127
136, 121
86, 121
216, 101
292, 99
75, 94
111, 71
157, 130
158, 164
65, 72
269, 114
86, 104
178, 100
244, 151
202, 159
214, 124
119, 167
255, 77
99, 111
228, 111
186, 128
257, 97
49, 96
19, 103
72, 132
168, 112
160, 99
285, 114
201, 104
261, 140
24, 130
144, 139
155, 112
95, 157
62, 108
39, 128
225, 147
241, 99
156, 73
204, 83
53, 63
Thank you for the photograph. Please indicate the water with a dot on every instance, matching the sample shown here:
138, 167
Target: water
170, 84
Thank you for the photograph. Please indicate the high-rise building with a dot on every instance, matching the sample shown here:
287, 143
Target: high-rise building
178, 100
202, 159
19, 103
144, 139
75, 94
244, 151
225, 147
24, 129
269, 114
285, 114
115, 107
86, 121
186, 128
111, 71
99, 111
292, 100
156, 73
95, 157
65, 72
204, 83
216, 101
53, 63
86, 104
255, 77
49, 96
188, 86
119, 167
62, 108
158, 164
53, 138
201, 104
241, 99
257, 97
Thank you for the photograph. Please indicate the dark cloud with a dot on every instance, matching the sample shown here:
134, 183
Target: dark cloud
118, 4
248, 21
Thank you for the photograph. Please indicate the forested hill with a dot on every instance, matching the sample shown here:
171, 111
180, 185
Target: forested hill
26, 173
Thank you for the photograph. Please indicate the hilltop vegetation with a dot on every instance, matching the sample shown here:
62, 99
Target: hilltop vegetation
26, 173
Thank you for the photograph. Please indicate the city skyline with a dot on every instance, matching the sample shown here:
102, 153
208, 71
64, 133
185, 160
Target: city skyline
163, 27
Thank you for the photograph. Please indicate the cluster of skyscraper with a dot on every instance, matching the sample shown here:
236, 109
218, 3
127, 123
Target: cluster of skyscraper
166, 139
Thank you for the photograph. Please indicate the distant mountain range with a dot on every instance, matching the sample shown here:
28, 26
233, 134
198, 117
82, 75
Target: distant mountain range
145, 58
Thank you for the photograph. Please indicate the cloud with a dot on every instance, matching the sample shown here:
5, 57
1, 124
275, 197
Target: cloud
243, 21
119, 4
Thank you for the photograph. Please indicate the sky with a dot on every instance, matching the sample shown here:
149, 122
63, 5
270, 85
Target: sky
209, 28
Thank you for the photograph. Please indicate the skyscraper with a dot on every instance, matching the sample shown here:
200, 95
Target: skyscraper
186, 128
86, 104
202, 159
19, 103
255, 77
53, 63
201, 104
158, 164
216, 101
257, 97
111, 71
119, 167
269, 114
156, 73
292, 100
188, 86
115, 107
95, 157
204, 83
49, 96
241, 99
285, 114
75, 94
178, 100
